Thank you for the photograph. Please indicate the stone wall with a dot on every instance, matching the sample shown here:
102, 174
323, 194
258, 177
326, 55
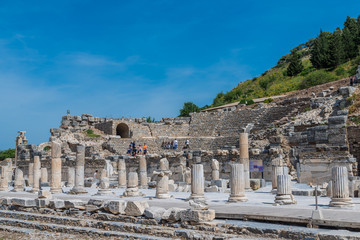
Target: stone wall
353, 134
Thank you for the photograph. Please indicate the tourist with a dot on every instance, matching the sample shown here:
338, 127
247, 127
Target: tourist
129, 150
139, 149
187, 144
352, 79
145, 148
175, 143
95, 180
134, 151
163, 145
172, 145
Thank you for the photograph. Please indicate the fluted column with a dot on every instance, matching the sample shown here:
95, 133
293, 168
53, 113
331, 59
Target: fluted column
244, 157
283, 193
197, 182
278, 170
55, 184
340, 188
79, 187
215, 169
121, 173
237, 183
132, 189
104, 183
19, 181
143, 172
37, 174
4, 182
31, 174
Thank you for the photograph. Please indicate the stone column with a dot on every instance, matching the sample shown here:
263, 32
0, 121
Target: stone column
244, 157
278, 170
143, 172
4, 182
44, 175
237, 183
132, 189
215, 169
104, 184
162, 185
164, 164
197, 182
55, 184
340, 188
37, 174
31, 174
19, 181
188, 176
71, 177
121, 173
79, 187
283, 194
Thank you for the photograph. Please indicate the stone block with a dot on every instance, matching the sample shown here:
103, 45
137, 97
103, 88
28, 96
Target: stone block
346, 91
74, 203
57, 204
212, 188
173, 187
136, 208
5, 201
198, 216
221, 183
23, 202
115, 206
255, 184
262, 183
96, 202
337, 120
42, 202
44, 194
173, 214
154, 213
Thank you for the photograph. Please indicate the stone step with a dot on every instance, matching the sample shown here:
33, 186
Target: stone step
51, 227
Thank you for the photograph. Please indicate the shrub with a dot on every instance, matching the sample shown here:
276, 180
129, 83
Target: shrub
47, 148
10, 153
316, 78
89, 131
340, 71
269, 100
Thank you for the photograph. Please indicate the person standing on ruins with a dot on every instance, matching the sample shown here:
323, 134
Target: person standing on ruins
175, 144
145, 149
187, 144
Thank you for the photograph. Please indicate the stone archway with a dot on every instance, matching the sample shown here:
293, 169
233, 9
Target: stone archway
46, 146
123, 130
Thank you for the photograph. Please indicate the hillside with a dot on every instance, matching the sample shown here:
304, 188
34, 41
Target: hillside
326, 58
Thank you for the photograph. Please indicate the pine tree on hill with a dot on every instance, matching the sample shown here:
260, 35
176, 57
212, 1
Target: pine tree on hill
350, 38
320, 52
295, 67
336, 47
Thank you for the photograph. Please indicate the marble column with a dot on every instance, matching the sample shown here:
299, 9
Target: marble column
71, 177
237, 183
44, 175
143, 172
19, 181
244, 157
197, 182
79, 187
283, 193
4, 182
121, 173
188, 175
37, 174
31, 174
104, 184
132, 189
215, 169
340, 188
55, 184
162, 184
278, 170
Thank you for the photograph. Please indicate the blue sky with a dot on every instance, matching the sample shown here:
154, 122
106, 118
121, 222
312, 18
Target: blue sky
140, 58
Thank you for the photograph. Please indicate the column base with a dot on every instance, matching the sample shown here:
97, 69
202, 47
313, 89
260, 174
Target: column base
78, 190
341, 202
56, 190
144, 187
132, 192
285, 199
16, 190
103, 192
163, 195
122, 186
197, 197
35, 190
237, 199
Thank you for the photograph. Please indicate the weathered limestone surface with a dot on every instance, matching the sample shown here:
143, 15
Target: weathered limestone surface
121, 173
19, 181
197, 182
79, 187
44, 175
37, 174
55, 184
31, 174
283, 194
136, 208
143, 172
244, 157
104, 184
340, 188
132, 189
215, 169
237, 183
276, 171
71, 177
4, 182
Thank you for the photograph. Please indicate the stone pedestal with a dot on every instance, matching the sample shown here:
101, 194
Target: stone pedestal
4, 182
237, 183
104, 184
283, 194
244, 157
121, 173
55, 184
340, 188
37, 174
215, 169
197, 182
132, 189
143, 172
31, 174
278, 170
19, 181
79, 171
162, 185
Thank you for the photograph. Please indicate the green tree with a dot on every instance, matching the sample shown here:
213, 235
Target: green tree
336, 47
295, 67
150, 120
10, 153
188, 108
219, 99
320, 52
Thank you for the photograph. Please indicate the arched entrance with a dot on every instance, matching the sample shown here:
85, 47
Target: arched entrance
123, 130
